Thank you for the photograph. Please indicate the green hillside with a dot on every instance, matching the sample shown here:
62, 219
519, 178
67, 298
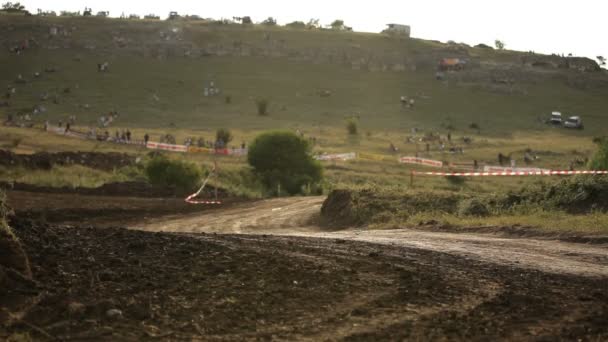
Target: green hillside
158, 71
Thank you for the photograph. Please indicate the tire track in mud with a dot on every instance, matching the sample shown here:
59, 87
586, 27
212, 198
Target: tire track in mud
296, 217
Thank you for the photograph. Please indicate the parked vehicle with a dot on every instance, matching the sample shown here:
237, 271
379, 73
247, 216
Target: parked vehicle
556, 118
574, 122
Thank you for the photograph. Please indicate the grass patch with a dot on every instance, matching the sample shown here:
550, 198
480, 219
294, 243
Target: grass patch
68, 176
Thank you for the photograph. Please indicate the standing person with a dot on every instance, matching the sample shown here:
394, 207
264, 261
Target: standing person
146, 138
128, 135
67, 127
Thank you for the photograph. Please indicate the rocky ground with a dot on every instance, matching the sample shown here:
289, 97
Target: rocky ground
125, 284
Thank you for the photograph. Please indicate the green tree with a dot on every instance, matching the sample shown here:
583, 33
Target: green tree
352, 127
178, 174
338, 24
297, 24
224, 135
284, 159
599, 161
270, 21
500, 45
16, 7
313, 24
262, 105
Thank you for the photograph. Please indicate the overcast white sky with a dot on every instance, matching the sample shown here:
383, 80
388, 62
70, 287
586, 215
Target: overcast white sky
547, 26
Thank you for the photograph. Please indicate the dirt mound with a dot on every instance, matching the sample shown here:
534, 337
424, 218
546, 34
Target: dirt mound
45, 161
337, 210
16, 285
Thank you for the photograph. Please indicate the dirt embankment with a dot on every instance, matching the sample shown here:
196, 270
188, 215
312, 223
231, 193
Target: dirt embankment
107, 161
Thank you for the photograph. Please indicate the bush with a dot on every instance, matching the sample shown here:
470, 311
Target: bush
599, 161
352, 127
224, 135
473, 207
262, 105
173, 173
579, 194
283, 158
270, 21
297, 25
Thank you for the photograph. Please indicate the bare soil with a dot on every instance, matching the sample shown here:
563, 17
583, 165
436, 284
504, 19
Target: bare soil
266, 271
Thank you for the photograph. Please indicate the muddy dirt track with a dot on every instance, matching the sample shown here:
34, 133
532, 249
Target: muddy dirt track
265, 271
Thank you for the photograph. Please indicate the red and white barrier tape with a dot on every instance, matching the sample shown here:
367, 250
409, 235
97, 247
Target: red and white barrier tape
421, 161
485, 174
190, 200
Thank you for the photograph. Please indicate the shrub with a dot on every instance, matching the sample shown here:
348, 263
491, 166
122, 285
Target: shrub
599, 161
472, 207
224, 135
179, 174
297, 25
455, 180
270, 21
352, 127
283, 158
262, 105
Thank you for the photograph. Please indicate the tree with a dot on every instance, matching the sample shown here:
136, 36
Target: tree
13, 7
284, 159
602, 60
270, 21
352, 127
224, 135
500, 45
313, 24
338, 25
246, 20
262, 105
297, 24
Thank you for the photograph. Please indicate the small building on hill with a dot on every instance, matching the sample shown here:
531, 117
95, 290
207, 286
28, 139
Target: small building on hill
398, 29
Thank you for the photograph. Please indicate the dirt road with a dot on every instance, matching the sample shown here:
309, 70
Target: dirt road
296, 217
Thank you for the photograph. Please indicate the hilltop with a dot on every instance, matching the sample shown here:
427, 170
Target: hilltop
158, 72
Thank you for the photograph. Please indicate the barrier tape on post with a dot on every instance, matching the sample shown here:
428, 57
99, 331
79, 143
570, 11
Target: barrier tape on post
516, 173
339, 156
421, 161
190, 199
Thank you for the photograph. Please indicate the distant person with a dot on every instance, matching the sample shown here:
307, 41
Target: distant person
67, 127
128, 134
146, 138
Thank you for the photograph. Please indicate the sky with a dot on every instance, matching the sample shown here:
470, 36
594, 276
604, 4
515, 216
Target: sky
544, 26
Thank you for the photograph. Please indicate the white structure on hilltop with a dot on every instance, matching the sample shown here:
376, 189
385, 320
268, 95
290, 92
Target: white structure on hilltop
399, 29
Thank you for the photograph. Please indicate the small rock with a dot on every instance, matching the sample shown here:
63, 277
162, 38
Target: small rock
114, 313
76, 309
